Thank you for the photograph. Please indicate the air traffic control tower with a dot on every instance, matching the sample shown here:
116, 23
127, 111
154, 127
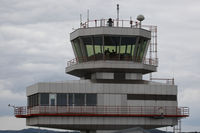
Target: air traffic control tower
111, 57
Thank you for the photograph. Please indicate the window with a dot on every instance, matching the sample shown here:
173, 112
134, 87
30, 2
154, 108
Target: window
91, 99
141, 48
71, 99
52, 99
77, 47
44, 99
33, 100
127, 47
61, 99
97, 41
151, 97
111, 47
89, 47
119, 76
79, 99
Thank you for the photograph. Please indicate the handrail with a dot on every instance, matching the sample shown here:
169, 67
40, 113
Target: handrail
147, 61
115, 23
168, 80
168, 111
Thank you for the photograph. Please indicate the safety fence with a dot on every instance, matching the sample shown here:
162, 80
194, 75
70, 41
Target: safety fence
147, 61
137, 111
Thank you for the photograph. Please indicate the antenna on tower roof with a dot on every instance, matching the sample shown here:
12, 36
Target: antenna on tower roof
80, 20
117, 15
88, 18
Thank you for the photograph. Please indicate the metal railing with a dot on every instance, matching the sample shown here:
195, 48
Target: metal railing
167, 80
115, 23
147, 61
143, 111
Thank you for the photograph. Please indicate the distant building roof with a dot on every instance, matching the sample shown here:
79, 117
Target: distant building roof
133, 130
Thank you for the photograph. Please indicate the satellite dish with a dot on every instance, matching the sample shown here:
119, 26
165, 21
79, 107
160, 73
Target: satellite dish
140, 18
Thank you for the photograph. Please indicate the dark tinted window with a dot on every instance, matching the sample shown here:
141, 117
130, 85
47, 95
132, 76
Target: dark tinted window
91, 99
119, 76
151, 97
77, 47
71, 99
44, 99
33, 100
61, 99
79, 99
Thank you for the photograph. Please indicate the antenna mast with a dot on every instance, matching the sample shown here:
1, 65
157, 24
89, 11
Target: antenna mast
117, 15
88, 18
80, 20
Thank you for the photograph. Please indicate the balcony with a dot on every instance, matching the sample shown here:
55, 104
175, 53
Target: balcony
147, 61
104, 111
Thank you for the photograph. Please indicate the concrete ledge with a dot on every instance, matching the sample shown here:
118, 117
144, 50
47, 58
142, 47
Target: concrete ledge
110, 31
90, 67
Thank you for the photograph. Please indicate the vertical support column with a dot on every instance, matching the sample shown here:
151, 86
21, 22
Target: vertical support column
117, 15
156, 55
177, 128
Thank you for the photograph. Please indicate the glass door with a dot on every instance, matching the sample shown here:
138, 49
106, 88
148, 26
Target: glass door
52, 99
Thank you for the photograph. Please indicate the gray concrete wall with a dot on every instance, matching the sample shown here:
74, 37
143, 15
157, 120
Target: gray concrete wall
100, 123
127, 66
110, 93
110, 31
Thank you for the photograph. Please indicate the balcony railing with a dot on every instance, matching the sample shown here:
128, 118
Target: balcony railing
115, 23
147, 61
132, 111
166, 80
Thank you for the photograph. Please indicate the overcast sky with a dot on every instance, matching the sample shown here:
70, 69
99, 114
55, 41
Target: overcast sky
34, 45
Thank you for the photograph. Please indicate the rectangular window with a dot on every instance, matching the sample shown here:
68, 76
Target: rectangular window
90, 51
52, 99
44, 99
151, 97
29, 101
79, 99
119, 76
33, 100
61, 99
71, 99
91, 99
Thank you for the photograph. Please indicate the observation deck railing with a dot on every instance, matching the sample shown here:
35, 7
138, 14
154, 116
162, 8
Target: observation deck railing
115, 23
132, 111
147, 61
169, 81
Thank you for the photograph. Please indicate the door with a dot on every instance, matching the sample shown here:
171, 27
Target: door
52, 99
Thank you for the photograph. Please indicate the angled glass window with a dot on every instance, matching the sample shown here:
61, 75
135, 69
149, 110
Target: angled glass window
111, 47
141, 48
97, 41
87, 41
33, 100
77, 47
127, 47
